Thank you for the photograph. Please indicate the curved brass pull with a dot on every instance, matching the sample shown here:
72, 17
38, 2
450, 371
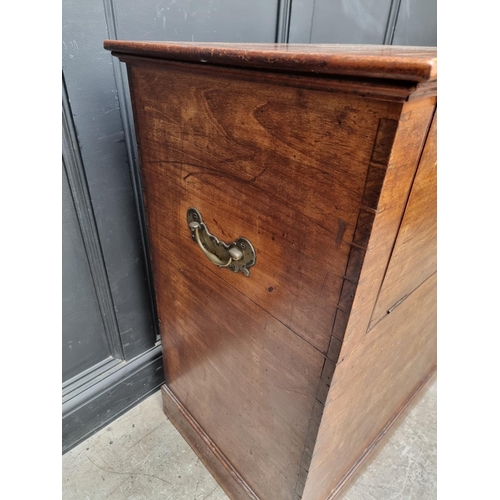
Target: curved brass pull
235, 253
237, 256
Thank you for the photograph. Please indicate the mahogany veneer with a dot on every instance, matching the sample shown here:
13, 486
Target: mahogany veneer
324, 158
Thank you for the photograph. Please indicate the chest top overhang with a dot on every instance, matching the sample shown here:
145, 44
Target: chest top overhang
412, 64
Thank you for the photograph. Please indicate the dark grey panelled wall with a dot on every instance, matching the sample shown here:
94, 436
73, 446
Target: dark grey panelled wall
355, 21
410, 32
396, 22
85, 342
111, 353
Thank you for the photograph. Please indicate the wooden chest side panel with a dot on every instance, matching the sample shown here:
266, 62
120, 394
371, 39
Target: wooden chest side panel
283, 166
375, 379
286, 168
414, 257
247, 380
296, 171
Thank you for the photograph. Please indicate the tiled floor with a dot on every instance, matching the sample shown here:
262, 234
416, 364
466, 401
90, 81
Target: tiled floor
142, 456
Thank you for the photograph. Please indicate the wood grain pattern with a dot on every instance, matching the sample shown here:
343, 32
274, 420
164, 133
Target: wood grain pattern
416, 64
371, 453
328, 472
229, 361
236, 158
211, 146
371, 384
409, 142
414, 257
215, 461
271, 377
379, 89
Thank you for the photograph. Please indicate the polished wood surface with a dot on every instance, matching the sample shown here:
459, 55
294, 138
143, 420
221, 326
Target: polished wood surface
377, 377
209, 453
416, 64
414, 257
317, 172
376, 448
380, 369
236, 159
359, 294
234, 367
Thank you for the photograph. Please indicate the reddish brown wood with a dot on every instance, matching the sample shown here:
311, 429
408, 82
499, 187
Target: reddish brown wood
237, 159
232, 482
316, 171
342, 491
416, 64
375, 379
233, 366
378, 370
410, 138
414, 257
379, 89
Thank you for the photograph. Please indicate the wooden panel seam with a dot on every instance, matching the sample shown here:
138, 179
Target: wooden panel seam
400, 302
424, 142
212, 269
382, 146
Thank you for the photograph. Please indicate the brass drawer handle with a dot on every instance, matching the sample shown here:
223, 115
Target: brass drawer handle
237, 256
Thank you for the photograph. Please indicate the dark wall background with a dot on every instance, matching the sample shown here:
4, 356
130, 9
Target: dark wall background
111, 351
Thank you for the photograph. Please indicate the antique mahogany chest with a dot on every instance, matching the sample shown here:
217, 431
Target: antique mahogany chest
290, 195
